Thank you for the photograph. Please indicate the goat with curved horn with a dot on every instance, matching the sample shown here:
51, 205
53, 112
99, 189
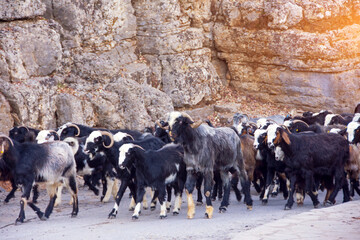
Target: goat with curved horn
75, 126
195, 124
300, 121
6, 137
111, 138
24, 127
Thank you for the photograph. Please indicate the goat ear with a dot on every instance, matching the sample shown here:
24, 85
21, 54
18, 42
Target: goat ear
285, 137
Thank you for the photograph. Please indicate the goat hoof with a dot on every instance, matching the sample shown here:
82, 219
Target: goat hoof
328, 203
168, 209
135, 217
145, 208
152, 208
249, 207
199, 203
287, 207
43, 218
316, 205
162, 216
274, 195
222, 209
19, 221
96, 192
73, 215
175, 213
264, 201
111, 216
131, 209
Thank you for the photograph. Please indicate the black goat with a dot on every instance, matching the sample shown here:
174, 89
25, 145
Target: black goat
332, 119
310, 156
310, 119
155, 169
272, 166
92, 168
103, 142
207, 149
23, 134
52, 163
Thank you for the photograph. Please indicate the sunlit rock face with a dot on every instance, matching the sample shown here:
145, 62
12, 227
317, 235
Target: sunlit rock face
299, 53
124, 64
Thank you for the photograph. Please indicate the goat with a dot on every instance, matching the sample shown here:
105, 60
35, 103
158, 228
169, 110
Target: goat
310, 119
47, 136
207, 149
20, 134
309, 155
52, 163
155, 169
353, 132
272, 166
92, 168
255, 169
103, 142
162, 132
23, 134
353, 169
332, 119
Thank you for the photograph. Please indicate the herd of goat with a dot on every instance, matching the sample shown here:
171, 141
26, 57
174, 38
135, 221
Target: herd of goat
296, 154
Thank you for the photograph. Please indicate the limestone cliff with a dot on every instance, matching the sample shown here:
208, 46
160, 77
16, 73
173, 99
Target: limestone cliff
126, 63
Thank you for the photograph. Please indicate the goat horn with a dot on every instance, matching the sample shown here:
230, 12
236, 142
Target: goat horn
53, 131
139, 147
24, 127
160, 126
184, 114
111, 138
197, 124
341, 116
285, 127
75, 126
4, 136
298, 120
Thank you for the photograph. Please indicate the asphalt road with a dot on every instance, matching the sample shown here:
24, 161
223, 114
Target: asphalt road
92, 221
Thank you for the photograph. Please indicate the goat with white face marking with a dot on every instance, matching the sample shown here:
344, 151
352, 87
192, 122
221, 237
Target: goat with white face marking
47, 136
332, 119
206, 150
52, 163
272, 166
155, 169
353, 132
310, 155
103, 142
91, 168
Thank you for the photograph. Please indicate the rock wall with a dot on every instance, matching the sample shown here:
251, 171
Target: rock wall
126, 63
298, 53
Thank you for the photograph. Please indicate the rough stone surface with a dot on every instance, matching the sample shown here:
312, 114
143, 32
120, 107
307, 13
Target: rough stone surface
298, 53
126, 63
6, 120
16, 9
